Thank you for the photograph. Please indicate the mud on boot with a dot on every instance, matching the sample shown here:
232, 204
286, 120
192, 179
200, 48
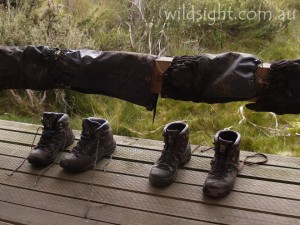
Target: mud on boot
57, 135
224, 165
96, 141
176, 153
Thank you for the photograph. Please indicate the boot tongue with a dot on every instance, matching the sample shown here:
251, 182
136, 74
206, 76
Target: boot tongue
49, 120
172, 135
89, 127
224, 144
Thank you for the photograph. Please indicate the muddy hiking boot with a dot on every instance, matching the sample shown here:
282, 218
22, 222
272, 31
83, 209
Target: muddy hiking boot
224, 165
96, 141
176, 153
57, 135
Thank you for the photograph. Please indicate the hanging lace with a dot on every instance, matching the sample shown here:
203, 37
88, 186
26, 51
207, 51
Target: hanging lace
32, 144
249, 163
87, 209
54, 162
219, 165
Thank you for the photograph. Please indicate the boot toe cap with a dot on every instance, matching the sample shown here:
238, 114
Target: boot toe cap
216, 188
68, 161
73, 164
161, 177
39, 157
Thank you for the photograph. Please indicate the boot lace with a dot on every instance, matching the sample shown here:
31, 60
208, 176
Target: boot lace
22, 163
219, 167
169, 156
59, 156
48, 137
249, 163
43, 143
91, 185
79, 149
87, 209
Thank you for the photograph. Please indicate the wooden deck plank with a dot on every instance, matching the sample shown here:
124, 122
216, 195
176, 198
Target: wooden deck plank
122, 195
17, 214
186, 177
76, 207
264, 172
203, 164
165, 206
5, 223
197, 150
275, 160
191, 193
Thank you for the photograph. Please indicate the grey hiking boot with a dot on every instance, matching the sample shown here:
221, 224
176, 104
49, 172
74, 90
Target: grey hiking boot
56, 136
96, 141
176, 153
224, 166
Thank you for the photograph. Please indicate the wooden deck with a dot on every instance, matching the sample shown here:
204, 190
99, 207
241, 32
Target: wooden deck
264, 194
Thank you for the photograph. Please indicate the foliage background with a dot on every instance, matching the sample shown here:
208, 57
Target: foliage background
123, 25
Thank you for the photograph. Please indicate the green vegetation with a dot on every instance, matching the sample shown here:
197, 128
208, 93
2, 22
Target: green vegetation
120, 25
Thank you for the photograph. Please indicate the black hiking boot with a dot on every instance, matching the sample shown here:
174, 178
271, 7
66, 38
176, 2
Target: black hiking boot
96, 141
176, 153
56, 136
224, 166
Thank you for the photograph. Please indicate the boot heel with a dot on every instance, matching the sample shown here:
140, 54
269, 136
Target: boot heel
70, 141
187, 158
111, 150
185, 161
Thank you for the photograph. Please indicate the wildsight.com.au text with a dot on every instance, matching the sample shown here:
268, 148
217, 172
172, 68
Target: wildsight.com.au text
219, 13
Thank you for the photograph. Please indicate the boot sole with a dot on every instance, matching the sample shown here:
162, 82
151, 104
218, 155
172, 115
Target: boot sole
216, 193
90, 166
156, 182
39, 163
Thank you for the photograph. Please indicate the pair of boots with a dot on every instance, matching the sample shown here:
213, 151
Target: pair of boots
177, 152
96, 141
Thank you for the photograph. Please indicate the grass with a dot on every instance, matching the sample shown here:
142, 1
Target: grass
106, 27
262, 132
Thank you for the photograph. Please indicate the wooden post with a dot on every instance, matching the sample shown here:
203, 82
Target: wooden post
160, 67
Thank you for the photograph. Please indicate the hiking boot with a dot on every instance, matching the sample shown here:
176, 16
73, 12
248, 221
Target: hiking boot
176, 153
96, 141
56, 136
224, 166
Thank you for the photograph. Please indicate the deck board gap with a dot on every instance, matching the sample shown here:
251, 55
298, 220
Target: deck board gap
97, 202
82, 217
144, 177
204, 171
